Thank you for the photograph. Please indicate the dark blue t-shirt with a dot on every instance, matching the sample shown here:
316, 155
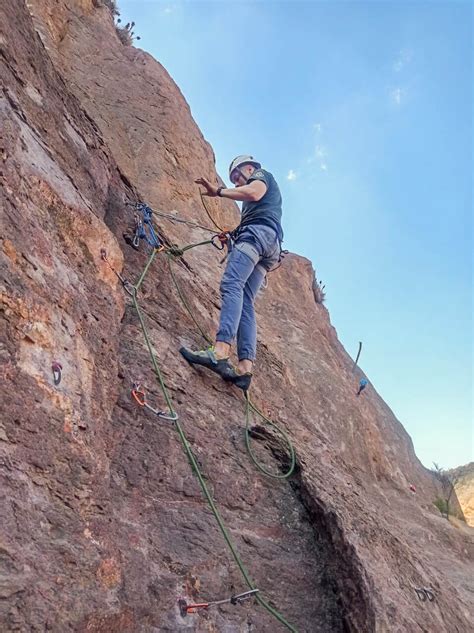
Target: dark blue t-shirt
268, 209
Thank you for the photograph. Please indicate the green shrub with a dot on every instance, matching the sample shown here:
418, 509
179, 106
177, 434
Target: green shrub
442, 506
126, 34
318, 290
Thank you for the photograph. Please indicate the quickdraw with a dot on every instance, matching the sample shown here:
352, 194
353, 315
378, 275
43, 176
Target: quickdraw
186, 608
127, 286
140, 398
144, 229
425, 593
56, 368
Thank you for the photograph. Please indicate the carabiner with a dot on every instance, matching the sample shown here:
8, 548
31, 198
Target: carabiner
140, 397
136, 239
246, 595
56, 369
138, 394
221, 241
420, 592
166, 416
429, 594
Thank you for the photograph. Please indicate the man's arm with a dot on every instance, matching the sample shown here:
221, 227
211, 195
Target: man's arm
247, 193
252, 192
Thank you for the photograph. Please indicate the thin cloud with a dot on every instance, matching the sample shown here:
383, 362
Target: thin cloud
404, 57
320, 151
397, 95
168, 10
291, 175
319, 156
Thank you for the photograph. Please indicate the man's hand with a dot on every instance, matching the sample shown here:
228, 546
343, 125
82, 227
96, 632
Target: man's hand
211, 190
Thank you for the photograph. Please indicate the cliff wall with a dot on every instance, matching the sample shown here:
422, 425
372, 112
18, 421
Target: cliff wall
104, 524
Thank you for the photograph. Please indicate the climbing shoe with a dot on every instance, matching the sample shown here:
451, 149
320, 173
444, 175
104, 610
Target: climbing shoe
242, 381
207, 358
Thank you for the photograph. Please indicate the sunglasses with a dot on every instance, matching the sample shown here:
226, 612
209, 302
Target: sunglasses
235, 176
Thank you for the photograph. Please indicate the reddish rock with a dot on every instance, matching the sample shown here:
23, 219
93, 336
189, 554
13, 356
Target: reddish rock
463, 479
104, 525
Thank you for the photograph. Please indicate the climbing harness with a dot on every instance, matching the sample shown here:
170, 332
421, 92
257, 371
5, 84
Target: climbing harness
186, 608
140, 397
56, 368
141, 400
234, 235
425, 593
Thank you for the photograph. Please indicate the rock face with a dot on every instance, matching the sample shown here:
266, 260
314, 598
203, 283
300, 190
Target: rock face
104, 525
463, 478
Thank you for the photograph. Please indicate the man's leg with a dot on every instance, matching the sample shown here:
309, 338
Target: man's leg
240, 267
247, 331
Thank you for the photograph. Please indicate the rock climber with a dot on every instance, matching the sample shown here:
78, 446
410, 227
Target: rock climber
256, 248
362, 385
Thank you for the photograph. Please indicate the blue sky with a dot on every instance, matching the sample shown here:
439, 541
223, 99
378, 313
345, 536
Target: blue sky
363, 112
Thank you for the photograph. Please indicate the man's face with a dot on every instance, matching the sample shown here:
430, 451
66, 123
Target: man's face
240, 175
237, 177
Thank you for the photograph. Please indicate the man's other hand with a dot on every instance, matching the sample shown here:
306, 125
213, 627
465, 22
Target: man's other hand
211, 190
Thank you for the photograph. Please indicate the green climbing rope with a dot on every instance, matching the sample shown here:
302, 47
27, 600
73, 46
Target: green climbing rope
249, 407
185, 302
192, 459
209, 215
